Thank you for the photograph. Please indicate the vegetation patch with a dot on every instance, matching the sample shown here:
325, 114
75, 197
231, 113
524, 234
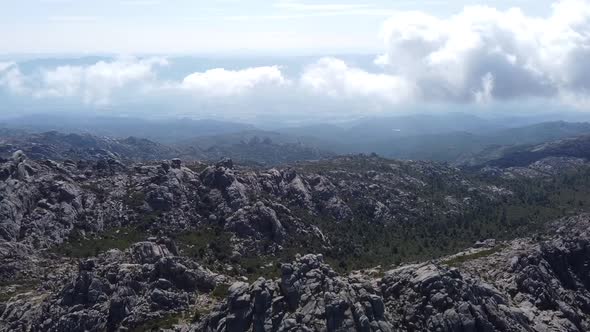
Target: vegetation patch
364, 242
165, 322
80, 246
458, 260
221, 291
206, 243
268, 267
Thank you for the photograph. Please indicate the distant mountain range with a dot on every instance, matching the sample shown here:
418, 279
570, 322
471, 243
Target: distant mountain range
59, 146
523, 155
457, 138
160, 130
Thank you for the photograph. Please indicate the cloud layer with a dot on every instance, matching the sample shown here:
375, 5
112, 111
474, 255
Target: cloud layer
481, 55
223, 83
457, 59
334, 78
95, 84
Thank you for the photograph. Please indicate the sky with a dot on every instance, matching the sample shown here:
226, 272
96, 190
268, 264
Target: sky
213, 26
170, 58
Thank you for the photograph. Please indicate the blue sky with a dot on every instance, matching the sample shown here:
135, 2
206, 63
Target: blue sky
214, 26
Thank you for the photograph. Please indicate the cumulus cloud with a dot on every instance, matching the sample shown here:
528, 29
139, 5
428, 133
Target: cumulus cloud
221, 82
522, 56
99, 83
334, 78
96, 83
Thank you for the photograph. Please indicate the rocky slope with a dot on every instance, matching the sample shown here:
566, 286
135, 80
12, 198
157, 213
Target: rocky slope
523, 285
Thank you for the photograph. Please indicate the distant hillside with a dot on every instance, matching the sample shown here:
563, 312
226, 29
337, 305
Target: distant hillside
459, 147
518, 156
58, 146
163, 130
450, 138
256, 146
261, 150
456, 137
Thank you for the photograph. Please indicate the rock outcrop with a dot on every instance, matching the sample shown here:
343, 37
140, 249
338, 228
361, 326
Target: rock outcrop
117, 290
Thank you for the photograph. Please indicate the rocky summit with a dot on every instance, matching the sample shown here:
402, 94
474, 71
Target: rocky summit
353, 243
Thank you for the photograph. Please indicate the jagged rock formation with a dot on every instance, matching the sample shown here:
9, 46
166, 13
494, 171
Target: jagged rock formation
43, 203
310, 296
116, 290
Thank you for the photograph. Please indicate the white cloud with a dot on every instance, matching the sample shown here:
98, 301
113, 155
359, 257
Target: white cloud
6, 65
96, 83
221, 82
526, 56
11, 78
485, 94
334, 78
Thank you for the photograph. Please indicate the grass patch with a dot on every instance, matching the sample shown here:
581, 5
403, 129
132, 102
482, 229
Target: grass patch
263, 266
458, 260
79, 246
21, 287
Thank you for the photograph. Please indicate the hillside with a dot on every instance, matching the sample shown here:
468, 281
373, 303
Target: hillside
524, 155
58, 146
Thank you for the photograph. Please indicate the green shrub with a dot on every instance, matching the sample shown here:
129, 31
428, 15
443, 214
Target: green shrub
165, 322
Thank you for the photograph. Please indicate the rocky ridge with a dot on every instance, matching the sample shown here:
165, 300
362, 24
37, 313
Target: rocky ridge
525, 286
44, 202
